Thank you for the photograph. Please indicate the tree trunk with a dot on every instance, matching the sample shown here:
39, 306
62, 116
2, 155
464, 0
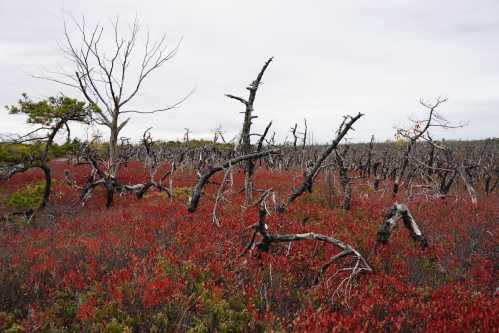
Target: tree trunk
246, 131
346, 186
113, 148
48, 184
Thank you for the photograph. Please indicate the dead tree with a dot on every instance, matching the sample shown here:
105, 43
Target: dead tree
313, 169
445, 171
431, 157
105, 78
154, 158
490, 170
418, 131
346, 186
205, 175
261, 229
304, 133
467, 180
295, 136
366, 168
220, 196
245, 147
298, 135
392, 215
380, 170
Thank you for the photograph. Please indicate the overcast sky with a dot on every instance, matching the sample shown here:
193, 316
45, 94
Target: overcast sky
331, 58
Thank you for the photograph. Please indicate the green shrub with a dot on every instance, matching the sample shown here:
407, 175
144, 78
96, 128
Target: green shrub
17, 153
27, 198
182, 192
221, 315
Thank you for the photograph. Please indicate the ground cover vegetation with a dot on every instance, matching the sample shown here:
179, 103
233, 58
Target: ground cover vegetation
241, 235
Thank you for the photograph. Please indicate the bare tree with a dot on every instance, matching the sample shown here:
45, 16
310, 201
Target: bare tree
245, 146
346, 186
419, 131
366, 168
107, 78
305, 132
313, 169
186, 134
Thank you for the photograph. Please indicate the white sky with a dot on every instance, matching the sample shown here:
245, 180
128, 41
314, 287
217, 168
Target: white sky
331, 58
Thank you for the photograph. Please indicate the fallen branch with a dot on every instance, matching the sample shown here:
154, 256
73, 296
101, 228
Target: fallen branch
260, 228
211, 170
220, 197
396, 212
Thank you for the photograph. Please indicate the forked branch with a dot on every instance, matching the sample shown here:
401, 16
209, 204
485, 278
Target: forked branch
260, 228
310, 174
393, 214
205, 176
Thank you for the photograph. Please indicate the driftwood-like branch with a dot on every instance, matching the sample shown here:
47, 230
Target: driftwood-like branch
211, 170
262, 137
467, 184
295, 137
260, 228
393, 214
220, 196
311, 173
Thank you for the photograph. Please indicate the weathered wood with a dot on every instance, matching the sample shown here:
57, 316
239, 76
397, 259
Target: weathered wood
211, 170
392, 215
245, 146
267, 238
308, 178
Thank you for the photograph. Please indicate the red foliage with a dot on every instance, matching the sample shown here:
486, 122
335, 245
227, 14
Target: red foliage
143, 255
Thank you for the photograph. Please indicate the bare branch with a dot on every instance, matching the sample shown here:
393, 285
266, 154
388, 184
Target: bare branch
309, 176
167, 108
237, 98
211, 170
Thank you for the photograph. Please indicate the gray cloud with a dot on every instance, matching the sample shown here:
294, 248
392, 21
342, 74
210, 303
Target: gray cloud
331, 58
